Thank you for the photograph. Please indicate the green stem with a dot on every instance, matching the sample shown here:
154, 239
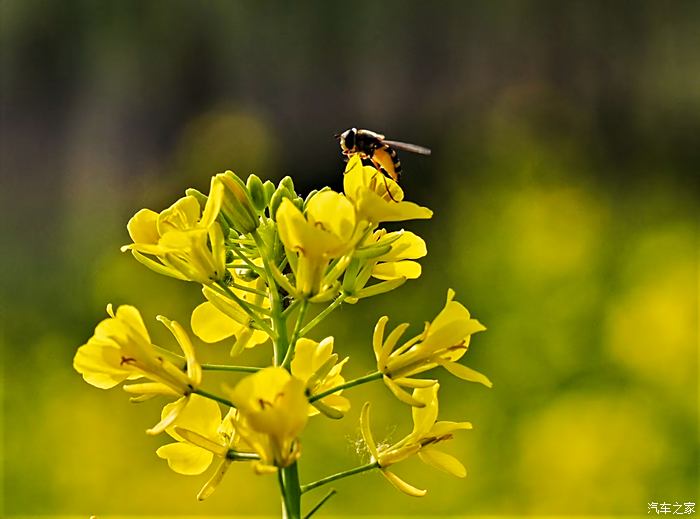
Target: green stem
351, 383
225, 367
321, 503
295, 335
280, 341
291, 492
211, 396
322, 315
339, 475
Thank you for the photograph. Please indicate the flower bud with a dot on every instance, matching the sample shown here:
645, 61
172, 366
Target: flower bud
299, 203
288, 183
257, 192
269, 188
236, 205
280, 194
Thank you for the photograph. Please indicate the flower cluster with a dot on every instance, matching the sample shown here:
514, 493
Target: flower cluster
264, 257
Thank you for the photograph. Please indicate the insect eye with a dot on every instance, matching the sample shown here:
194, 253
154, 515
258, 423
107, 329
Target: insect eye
350, 139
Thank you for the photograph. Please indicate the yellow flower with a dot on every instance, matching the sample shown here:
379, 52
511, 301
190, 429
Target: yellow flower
317, 365
201, 435
220, 317
186, 242
422, 440
396, 263
384, 256
327, 231
376, 197
121, 349
273, 411
443, 342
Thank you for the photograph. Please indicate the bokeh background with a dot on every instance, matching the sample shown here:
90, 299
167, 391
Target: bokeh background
564, 179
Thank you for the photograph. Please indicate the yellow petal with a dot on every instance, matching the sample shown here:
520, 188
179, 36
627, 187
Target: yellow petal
201, 415
338, 402
407, 246
442, 428
466, 373
375, 209
169, 417
443, 461
273, 402
194, 370
378, 339
397, 455
367, 432
142, 227
226, 306
100, 365
213, 205
397, 269
393, 338
186, 459
424, 417
201, 441
414, 383
401, 394
213, 483
181, 216
401, 485
303, 363
333, 212
159, 268
298, 235
211, 325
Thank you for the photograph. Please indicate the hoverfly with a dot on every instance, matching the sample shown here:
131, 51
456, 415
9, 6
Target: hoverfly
380, 151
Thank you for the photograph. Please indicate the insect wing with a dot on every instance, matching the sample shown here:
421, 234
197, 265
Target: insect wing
404, 146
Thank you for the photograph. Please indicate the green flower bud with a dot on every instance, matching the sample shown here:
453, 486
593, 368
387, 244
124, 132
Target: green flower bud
236, 205
299, 203
257, 192
288, 183
279, 195
269, 190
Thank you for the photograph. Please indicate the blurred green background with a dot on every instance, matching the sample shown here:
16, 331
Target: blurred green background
564, 180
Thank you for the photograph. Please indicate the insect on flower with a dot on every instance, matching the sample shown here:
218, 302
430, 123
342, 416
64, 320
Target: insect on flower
377, 149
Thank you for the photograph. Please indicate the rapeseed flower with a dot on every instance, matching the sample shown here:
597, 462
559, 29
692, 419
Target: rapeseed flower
183, 241
327, 230
442, 343
315, 364
384, 256
422, 441
121, 349
272, 412
201, 436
